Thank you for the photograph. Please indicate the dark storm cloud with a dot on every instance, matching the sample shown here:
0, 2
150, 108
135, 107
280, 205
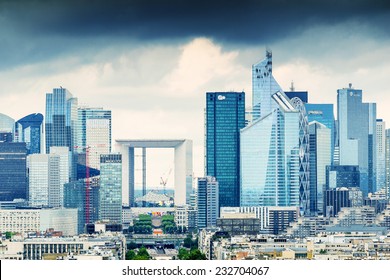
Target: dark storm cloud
41, 29
247, 21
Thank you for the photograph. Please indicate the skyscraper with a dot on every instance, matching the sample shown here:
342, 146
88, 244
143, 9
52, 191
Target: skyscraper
60, 119
13, 176
320, 157
207, 201
75, 196
65, 164
32, 132
387, 163
110, 194
7, 125
225, 116
323, 113
94, 132
338, 176
263, 83
380, 154
272, 155
44, 180
357, 135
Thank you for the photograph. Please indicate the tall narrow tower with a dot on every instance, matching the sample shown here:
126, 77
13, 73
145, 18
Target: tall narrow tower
60, 120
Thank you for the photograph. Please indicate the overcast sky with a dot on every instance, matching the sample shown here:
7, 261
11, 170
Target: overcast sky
151, 61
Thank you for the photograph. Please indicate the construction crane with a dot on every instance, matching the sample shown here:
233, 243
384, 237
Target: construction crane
164, 182
87, 174
86, 149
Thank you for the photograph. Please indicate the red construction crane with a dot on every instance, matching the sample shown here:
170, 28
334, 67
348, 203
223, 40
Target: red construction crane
87, 150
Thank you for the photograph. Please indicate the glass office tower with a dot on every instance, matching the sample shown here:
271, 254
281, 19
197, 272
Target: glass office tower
61, 119
323, 113
31, 132
13, 171
357, 135
207, 202
225, 116
270, 157
75, 196
94, 131
320, 157
274, 147
338, 176
110, 194
263, 83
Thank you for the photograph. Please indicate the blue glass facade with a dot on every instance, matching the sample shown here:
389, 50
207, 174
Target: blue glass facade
225, 116
338, 176
61, 118
302, 95
320, 157
110, 195
13, 171
263, 85
323, 113
357, 135
274, 147
32, 132
7, 124
334, 200
207, 199
75, 196
270, 171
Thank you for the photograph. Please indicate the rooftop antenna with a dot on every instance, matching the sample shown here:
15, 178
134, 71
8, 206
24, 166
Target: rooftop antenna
292, 88
268, 52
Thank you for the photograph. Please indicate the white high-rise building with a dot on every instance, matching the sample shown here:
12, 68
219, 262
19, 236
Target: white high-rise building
47, 175
44, 180
98, 133
380, 154
94, 133
65, 166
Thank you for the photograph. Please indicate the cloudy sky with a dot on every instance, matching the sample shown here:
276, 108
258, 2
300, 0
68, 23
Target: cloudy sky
151, 61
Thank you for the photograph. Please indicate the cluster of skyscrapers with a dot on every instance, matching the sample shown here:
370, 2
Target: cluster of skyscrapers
281, 153
284, 151
64, 161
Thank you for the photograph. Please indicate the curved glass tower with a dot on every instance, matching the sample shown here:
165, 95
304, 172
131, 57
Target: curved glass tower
31, 132
274, 152
7, 128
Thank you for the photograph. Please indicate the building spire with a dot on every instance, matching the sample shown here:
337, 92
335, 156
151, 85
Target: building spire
292, 88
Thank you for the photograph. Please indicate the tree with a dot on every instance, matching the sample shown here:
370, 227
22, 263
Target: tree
141, 255
131, 246
130, 255
196, 254
193, 254
188, 242
183, 254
